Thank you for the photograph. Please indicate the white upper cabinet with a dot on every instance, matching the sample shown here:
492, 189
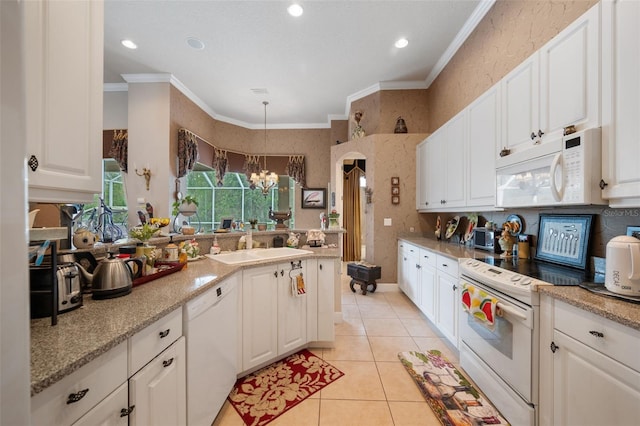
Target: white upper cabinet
621, 102
422, 175
556, 87
64, 68
482, 143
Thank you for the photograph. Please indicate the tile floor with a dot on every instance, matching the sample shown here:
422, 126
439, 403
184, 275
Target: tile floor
376, 389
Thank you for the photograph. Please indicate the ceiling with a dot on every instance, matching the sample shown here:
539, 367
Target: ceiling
308, 68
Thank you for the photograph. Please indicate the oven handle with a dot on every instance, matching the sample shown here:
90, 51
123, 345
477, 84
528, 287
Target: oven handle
510, 311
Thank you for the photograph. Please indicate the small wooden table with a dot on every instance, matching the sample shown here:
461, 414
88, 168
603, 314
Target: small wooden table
363, 274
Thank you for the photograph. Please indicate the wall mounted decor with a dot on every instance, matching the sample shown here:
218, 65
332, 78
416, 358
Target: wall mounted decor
633, 231
395, 190
314, 198
395, 199
564, 239
395, 181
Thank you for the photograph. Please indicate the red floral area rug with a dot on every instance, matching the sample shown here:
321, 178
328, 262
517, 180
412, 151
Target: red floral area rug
267, 393
452, 398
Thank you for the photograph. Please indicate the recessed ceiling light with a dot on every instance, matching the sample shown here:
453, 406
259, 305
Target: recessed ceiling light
403, 42
129, 44
295, 10
196, 43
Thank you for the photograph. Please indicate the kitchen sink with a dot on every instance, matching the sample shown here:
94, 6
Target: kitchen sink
249, 256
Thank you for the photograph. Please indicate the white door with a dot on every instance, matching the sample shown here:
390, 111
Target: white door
422, 176
435, 179
621, 102
259, 316
591, 388
159, 390
292, 308
520, 110
453, 162
569, 77
411, 273
427, 283
112, 411
448, 300
483, 143
64, 45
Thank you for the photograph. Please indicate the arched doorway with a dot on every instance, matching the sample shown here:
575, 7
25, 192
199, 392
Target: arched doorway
350, 173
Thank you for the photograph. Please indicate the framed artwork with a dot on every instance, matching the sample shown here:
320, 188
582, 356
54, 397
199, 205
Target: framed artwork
395, 190
225, 222
395, 181
314, 198
395, 199
564, 239
633, 231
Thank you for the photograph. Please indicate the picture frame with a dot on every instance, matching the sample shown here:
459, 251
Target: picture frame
564, 239
395, 190
395, 199
225, 222
395, 181
313, 198
633, 231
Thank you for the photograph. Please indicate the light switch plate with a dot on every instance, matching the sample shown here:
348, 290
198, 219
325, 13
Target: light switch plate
387, 221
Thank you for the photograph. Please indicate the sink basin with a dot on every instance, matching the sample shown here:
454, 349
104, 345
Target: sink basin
250, 256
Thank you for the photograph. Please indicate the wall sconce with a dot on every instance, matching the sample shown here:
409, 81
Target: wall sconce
368, 193
146, 173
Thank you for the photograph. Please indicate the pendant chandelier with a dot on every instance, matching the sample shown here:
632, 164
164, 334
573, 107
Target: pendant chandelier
265, 180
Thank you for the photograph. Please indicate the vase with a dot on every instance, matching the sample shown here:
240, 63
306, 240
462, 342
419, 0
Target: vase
333, 223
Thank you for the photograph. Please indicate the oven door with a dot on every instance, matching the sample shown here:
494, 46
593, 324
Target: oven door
507, 348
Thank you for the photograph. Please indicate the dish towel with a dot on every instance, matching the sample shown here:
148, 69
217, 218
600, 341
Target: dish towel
297, 286
479, 304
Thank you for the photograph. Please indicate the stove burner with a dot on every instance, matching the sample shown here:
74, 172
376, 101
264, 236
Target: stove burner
543, 271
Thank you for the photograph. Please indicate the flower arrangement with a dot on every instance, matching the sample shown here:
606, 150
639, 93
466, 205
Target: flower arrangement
190, 247
178, 204
144, 232
333, 219
160, 221
334, 214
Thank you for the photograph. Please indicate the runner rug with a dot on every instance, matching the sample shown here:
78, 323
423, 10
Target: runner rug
269, 392
452, 398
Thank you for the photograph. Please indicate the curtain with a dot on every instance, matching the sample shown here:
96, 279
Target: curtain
251, 165
295, 169
119, 149
187, 152
219, 162
352, 215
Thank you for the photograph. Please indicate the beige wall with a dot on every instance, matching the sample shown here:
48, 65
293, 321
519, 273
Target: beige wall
509, 33
314, 144
382, 109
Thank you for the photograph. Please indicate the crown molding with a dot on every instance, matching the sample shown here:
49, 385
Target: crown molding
147, 78
115, 87
466, 30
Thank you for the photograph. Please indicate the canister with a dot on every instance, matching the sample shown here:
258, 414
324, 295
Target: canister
171, 253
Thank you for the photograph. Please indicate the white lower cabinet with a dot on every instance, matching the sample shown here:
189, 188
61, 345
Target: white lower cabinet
590, 371
112, 411
427, 284
408, 265
157, 393
448, 298
320, 326
274, 321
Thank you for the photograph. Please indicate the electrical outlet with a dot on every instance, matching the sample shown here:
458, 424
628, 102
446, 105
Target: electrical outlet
412, 229
387, 221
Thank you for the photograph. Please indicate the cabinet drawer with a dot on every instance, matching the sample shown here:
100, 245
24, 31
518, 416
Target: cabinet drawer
608, 337
447, 265
148, 343
95, 380
428, 258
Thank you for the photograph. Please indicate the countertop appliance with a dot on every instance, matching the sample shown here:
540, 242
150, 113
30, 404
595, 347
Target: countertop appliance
622, 274
211, 329
484, 238
112, 278
566, 171
69, 292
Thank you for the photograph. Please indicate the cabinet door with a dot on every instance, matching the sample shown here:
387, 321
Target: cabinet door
112, 411
582, 377
401, 269
64, 56
520, 116
412, 265
159, 391
259, 316
292, 309
328, 270
427, 283
435, 173
483, 144
569, 77
447, 316
454, 163
422, 176
621, 102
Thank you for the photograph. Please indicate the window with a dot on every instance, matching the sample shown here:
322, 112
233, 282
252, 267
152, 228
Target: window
236, 199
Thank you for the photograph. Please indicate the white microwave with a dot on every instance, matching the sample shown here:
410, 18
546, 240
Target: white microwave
563, 172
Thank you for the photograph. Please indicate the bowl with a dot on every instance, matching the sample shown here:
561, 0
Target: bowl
262, 227
188, 230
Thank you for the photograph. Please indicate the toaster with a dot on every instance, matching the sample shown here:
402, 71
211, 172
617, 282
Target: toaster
41, 294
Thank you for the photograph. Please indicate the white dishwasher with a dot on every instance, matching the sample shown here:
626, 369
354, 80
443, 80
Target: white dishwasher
211, 330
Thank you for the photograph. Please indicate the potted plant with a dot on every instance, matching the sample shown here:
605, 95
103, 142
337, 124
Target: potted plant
333, 219
253, 223
187, 206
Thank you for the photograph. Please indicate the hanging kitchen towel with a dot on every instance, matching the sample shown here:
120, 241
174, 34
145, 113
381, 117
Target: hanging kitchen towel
479, 304
297, 286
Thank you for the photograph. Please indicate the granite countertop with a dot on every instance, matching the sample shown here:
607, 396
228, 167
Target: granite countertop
99, 325
623, 312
